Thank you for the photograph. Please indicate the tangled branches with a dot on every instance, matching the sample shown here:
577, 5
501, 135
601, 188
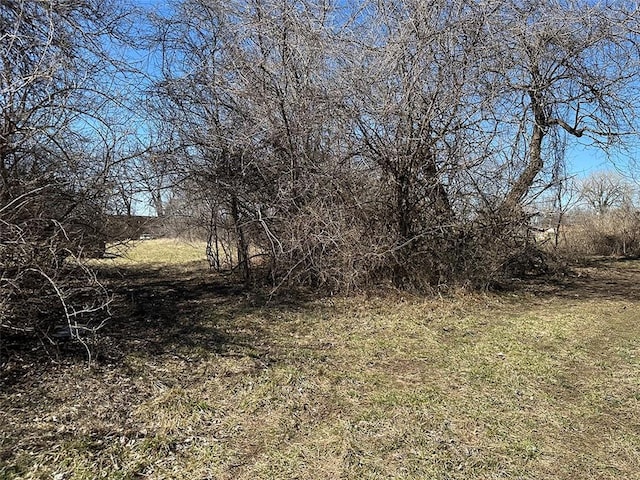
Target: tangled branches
45, 287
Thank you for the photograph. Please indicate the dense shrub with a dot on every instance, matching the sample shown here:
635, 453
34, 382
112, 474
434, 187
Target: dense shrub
46, 231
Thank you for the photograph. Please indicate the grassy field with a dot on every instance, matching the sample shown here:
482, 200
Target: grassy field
157, 253
196, 379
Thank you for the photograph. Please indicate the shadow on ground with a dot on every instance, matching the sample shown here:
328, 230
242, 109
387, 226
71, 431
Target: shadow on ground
598, 278
160, 313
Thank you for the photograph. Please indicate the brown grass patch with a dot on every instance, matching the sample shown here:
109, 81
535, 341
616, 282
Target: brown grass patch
198, 380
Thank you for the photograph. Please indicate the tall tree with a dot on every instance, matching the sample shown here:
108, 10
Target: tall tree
563, 68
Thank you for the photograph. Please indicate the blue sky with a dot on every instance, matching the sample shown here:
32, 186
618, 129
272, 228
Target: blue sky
583, 160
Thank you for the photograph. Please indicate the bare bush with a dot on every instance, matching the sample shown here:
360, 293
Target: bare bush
45, 235
52, 170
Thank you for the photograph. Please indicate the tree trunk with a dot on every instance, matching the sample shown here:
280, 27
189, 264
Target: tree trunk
241, 242
512, 204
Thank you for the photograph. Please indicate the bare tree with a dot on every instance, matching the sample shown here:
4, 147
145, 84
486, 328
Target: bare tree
605, 191
250, 90
567, 68
419, 124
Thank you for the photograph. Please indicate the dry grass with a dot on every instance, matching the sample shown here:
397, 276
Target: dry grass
517, 385
157, 252
617, 233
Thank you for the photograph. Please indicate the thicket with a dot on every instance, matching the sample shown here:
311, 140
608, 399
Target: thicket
342, 145
54, 96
